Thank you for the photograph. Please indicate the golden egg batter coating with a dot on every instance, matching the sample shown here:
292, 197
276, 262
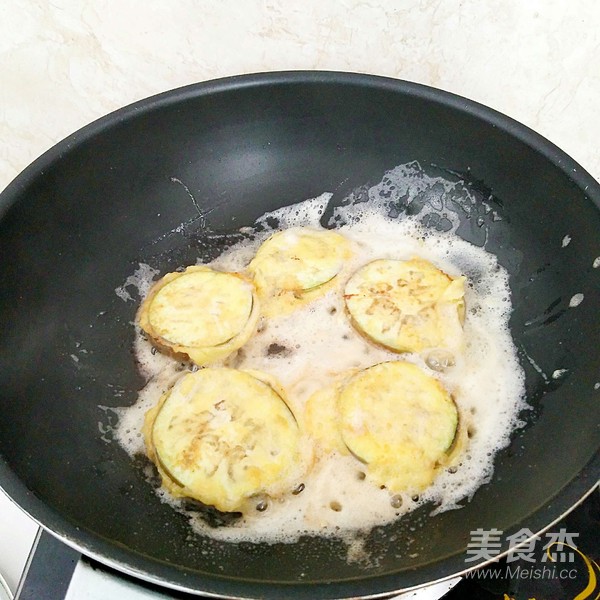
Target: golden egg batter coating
296, 265
222, 436
393, 417
406, 306
399, 421
200, 313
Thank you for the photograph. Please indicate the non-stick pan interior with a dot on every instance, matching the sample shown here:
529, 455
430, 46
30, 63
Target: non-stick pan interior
161, 183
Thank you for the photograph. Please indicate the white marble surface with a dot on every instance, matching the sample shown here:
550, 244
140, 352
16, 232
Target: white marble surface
64, 63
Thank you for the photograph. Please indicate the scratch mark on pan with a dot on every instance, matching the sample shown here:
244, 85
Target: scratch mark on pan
202, 214
187, 189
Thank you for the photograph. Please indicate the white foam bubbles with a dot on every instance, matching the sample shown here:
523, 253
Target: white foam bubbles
576, 300
140, 280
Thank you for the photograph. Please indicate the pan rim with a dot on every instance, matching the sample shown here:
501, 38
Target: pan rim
576, 172
310, 590
98, 547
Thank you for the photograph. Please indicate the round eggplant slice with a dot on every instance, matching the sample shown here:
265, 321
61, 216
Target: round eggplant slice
201, 313
399, 421
223, 435
297, 263
406, 306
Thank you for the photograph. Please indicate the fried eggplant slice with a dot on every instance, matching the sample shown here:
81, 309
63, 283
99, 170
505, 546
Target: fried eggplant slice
221, 436
400, 422
295, 265
406, 306
200, 313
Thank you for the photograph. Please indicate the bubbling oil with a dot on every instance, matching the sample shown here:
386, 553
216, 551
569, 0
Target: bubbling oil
311, 347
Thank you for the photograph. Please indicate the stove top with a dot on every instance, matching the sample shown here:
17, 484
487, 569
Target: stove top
57, 572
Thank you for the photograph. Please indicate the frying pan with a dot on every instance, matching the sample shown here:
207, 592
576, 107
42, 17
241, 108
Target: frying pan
168, 180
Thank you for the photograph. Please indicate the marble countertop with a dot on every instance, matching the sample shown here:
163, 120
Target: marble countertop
64, 63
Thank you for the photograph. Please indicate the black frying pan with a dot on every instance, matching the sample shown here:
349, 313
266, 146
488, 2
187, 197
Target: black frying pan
80, 218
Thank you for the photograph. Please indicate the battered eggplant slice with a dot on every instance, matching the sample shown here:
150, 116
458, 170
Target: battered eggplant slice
296, 265
400, 422
407, 306
200, 313
223, 436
